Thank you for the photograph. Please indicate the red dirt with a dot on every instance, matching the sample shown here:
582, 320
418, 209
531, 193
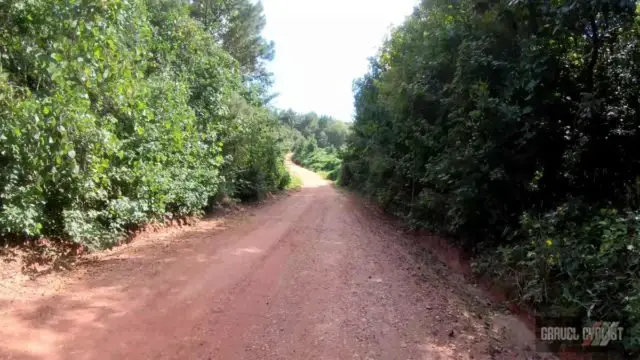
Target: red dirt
314, 275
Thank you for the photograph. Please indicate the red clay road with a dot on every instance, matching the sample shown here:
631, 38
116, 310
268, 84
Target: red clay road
311, 275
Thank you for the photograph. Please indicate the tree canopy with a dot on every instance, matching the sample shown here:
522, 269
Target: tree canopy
237, 26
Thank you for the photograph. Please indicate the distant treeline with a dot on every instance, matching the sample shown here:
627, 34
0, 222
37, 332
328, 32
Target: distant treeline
317, 141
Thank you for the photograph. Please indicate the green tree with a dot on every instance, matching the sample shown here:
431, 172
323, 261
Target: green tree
237, 25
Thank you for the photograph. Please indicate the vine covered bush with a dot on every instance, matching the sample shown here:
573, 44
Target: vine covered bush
514, 126
114, 113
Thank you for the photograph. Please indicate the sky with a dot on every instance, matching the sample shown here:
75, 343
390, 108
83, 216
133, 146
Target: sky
323, 45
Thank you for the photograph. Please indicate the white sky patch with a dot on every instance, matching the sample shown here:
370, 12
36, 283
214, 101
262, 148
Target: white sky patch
323, 45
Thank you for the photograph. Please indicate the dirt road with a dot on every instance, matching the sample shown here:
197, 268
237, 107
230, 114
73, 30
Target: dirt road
312, 275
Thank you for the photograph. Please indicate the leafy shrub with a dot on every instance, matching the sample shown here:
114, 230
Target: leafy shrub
577, 261
323, 160
254, 151
121, 112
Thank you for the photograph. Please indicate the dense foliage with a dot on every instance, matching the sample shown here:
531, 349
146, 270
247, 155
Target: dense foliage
236, 25
316, 141
325, 161
514, 125
114, 113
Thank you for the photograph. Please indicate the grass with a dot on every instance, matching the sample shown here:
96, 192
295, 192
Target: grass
295, 183
323, 174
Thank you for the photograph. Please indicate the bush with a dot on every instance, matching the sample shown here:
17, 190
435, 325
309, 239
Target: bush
117, 113
576, 261
322, 160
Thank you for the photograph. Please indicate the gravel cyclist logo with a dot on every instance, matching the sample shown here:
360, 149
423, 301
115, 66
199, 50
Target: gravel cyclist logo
556, 334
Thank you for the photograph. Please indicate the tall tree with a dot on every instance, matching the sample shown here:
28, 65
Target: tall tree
237, 25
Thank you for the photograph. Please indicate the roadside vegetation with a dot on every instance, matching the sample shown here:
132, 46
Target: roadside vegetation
324, 161
117, 113
317, 141
514, 126
295, 183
